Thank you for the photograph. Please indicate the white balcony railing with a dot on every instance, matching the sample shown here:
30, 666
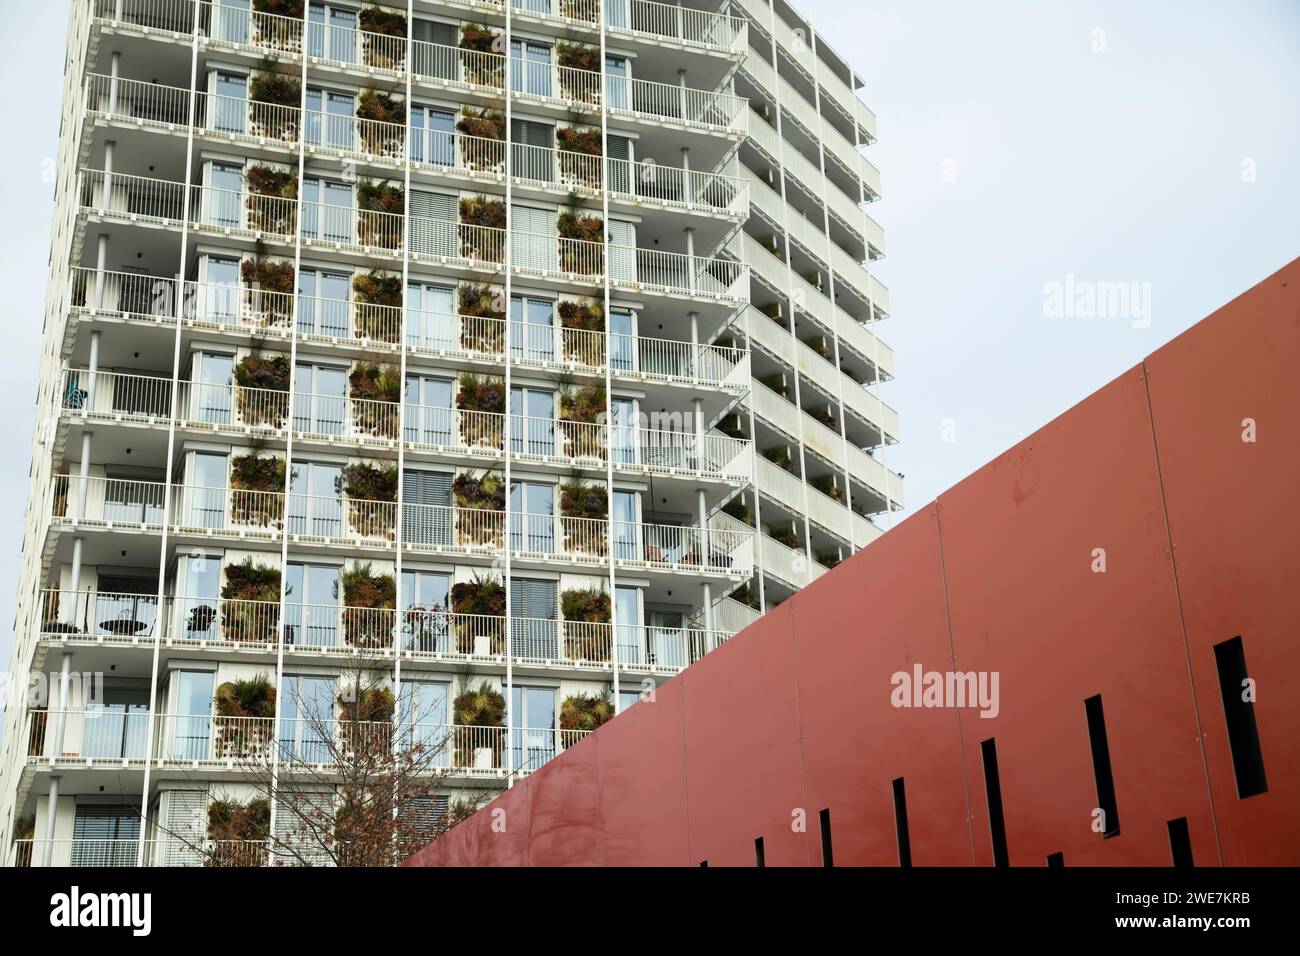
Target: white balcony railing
111, 503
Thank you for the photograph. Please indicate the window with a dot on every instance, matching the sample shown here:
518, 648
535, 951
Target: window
622, 345
532, 329
326, 210
434, 227
623, 437
627, 620
424, 611
433, 135
617, 83
220, 298
431, 316
192, 706
230, 20
422, 714
332, 32
117, 729
530, 67
311, 606
532, 718
532, 426
320, 399
229, 104
199, 597
426, 507
533, 238
330, 118
534, 150
225, 202
105, 835
315, 505
323, 310
623, 512
532, 517
533, 627
428, 410
306, 719
666, 639
207, 490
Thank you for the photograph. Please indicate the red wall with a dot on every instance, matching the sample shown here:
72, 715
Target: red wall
1201, 533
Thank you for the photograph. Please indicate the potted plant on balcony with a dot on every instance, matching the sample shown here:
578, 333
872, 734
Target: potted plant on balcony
376, 393
574, 143
250, 612
482, 326
747, 595
271, 199
257, 490
279, 31
480, 501
369, 600
482, 147
829, 559
582, 322
583, 407
778, 455
371, 491
784, 534
483, 225
484, 60
237, 832
584, 252
480, 726
829, 486
579, 56
479, 605
385, 131
583, 10
582, 504
485, 394
244, 727
739, 509
380, 208
262, 392
376, 24
378, 297
582, 713
275, 99
271, 286
366, 721
587, 634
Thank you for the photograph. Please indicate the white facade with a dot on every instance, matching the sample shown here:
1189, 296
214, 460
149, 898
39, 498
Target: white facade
304, 299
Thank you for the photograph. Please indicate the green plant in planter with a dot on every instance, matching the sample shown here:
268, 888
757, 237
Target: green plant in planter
738, 508
487, 394
581, 503
371, 490
579, 10
262, 397
283, 33
368, 603
480, 606
234, 829
777, 383
578, 320
374, 705
483, 327
573, 86
747, 595
280, 8
385, 132
779, 456
487, 68
257, 487
586, 613
376, 393
573, 144
248, 706
378, 294
270, 200
784, 535
486, 221
250, 612
480, 501
828, 559
380, 208
482, 708
585, 712
377, 23
271, 285
279, 96
485, 132
828, 486
583, 406
585, 253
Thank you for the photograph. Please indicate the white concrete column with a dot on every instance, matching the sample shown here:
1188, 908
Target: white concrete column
114, 67
51, 813
688, 188
83, 472
695, 345
101, 264
690, 257
708, 615
106, 201
92, 372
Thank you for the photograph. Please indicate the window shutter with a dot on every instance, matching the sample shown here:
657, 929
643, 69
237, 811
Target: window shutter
185, 827
426, 498
533, 238
622, 257
433, 223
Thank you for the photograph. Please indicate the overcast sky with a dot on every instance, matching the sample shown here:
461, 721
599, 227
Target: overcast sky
1021, 142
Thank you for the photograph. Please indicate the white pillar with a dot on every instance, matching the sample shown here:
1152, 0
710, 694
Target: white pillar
688, 191
690, 258
83, 471
114, 65
106, 200
695, 344
51, 811
92, 372
101, 264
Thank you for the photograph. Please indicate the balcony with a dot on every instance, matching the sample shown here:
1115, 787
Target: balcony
440, 242
350, 523
437, 430
242, 29
431, 634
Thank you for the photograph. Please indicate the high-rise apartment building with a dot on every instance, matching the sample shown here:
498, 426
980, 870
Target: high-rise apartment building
519, 352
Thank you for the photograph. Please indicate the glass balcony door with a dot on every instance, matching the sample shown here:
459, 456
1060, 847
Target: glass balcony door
530, 67
532, 719
617, 82
532, 517
428, 410
623, 440
198, 598
192, 709
230, 20
207, 489
320, 399
424, 611
422, 713
623, 512
532, 426
229, 110
430, 316
327, 210
622, 343
331, 118
532, 329
627, 615
225, 206
332, 33
307, 719
105, 835
311, 607
324, 308
433, 136
315, 505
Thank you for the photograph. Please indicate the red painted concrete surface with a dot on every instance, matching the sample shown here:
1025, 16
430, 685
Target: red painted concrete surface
1201, 534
